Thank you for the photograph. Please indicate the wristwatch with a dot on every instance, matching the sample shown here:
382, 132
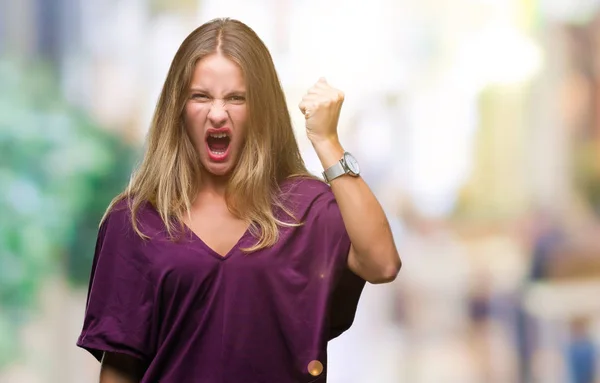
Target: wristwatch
346, 165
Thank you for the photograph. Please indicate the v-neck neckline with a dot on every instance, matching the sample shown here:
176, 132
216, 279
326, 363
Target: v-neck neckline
213, 252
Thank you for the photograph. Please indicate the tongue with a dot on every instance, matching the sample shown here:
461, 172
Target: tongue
218, 144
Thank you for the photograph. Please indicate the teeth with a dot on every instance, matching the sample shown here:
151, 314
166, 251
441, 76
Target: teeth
218, 135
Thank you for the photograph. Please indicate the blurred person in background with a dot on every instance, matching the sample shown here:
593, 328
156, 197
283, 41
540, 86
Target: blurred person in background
224, 259
581, 352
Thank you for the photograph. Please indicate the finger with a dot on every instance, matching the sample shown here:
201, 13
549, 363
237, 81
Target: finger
302, 106
322, 84
313, 97
305, 107
330, 94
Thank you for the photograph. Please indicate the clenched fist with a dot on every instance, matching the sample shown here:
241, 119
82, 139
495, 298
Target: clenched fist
321, 107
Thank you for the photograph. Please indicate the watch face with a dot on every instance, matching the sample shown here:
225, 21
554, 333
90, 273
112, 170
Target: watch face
352, 164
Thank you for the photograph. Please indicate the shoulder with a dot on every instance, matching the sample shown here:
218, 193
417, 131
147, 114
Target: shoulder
118, 219
309, 197
119, 244
304, 189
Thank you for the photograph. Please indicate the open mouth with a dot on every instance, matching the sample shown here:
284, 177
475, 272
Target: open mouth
218, 144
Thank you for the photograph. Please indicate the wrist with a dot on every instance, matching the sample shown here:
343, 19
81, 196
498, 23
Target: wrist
329, 151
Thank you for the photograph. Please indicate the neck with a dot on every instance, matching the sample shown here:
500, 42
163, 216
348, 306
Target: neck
214, 185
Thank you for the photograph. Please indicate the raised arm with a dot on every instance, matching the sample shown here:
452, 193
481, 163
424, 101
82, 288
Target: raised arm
373, 254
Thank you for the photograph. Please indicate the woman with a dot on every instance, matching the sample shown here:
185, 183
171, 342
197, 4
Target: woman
225, 260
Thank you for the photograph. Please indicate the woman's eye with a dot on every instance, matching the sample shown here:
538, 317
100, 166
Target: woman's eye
199, 96
237, 99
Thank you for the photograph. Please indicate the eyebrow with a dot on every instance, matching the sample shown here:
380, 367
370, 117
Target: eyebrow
201, 90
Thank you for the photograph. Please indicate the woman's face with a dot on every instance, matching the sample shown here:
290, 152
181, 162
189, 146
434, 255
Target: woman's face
216, 113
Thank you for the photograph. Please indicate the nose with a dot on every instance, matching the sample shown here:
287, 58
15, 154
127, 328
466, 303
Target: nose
217, 114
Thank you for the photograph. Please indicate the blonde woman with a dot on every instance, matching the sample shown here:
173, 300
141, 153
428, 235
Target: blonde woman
224, 260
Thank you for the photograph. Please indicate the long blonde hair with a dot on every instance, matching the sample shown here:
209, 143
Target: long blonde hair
168, 176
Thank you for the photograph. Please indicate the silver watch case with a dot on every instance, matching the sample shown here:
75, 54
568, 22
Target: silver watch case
346, 165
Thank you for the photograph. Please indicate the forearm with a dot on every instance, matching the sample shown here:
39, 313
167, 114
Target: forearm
375, 252
120, 368
110, 375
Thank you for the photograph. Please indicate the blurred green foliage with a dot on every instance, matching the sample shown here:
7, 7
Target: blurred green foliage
58, 172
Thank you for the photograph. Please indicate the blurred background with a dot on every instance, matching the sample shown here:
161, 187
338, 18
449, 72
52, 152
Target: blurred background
476, 123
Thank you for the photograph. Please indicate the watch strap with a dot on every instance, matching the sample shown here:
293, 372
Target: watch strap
334, 171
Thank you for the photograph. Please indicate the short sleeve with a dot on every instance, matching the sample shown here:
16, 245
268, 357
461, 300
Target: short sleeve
120, 300
347, 287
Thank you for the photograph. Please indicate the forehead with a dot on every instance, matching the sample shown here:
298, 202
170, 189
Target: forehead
217, 72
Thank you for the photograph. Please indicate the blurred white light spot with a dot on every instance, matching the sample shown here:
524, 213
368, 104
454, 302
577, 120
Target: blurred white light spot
499, 55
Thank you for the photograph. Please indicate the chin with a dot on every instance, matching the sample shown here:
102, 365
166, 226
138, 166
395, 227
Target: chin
218, 169
218, 172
